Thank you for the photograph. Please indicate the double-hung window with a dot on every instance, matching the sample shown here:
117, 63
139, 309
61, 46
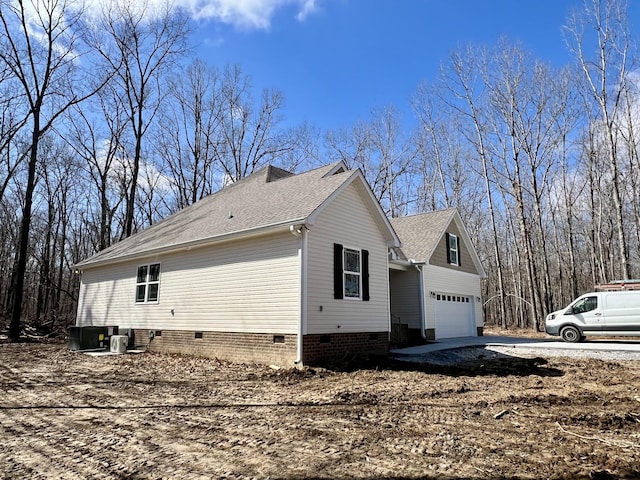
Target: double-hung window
351, 273
453, 249
148, 283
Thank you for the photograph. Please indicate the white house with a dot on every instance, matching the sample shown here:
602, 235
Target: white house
435, 278
277, 268
288, 269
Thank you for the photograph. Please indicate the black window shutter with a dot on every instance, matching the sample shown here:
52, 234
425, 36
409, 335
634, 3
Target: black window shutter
459, 251
365, 275
446, 236
338, 288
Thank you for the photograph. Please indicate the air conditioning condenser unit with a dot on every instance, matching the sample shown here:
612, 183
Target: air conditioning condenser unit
119, 343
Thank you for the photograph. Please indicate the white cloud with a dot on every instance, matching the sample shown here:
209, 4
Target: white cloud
245, 14
308, 7
242, 14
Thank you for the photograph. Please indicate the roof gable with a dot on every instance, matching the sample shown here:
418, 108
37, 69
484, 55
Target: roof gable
421, 233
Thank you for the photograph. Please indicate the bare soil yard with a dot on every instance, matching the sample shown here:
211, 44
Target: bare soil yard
67, 415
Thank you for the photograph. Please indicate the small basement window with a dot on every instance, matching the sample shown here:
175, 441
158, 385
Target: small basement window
148, 283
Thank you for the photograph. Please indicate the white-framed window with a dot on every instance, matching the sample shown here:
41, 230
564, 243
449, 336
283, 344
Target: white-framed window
453, 252
148, 283
352, 272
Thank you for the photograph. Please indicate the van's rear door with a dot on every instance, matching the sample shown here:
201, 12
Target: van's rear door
623, 311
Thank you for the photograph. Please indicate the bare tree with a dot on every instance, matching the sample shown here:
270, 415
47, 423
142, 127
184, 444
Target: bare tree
40, 46
380, 148
186, 137
465, 96
12, 118
606, 74
140, 45
97, 138
350, 145
248, 135
445, 160
393, 154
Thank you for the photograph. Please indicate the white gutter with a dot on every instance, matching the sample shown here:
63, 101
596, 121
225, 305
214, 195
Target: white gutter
301, 232
186, 246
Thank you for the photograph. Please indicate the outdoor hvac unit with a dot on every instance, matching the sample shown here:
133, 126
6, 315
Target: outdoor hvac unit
129, 332
119, 343
75, 334
90, 337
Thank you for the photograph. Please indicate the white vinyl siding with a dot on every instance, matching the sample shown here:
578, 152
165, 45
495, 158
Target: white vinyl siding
448, 281
405, 296
241, 286
348, 221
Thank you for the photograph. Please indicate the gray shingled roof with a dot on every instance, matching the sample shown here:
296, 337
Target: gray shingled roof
269, 197
421, 233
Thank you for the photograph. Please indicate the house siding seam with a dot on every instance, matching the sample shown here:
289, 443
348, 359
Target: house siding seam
237, 347
337, 347
439, 256
348, 221
215, 288
405, 297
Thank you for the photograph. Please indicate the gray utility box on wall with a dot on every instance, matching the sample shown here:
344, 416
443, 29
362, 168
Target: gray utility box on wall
90, 337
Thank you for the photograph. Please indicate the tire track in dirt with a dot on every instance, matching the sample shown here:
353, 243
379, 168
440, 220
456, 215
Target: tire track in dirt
160, 416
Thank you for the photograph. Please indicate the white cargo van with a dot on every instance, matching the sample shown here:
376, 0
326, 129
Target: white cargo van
613, 313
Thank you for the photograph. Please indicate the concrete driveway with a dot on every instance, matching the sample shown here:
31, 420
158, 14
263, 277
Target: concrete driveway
548, 343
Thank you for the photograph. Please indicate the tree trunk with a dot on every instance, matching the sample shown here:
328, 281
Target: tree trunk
17, 287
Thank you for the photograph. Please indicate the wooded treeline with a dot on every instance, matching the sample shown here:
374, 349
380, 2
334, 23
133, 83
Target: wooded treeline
108, 124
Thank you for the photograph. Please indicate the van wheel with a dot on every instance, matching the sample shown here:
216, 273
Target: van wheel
571, 334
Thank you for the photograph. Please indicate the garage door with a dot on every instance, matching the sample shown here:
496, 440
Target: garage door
454, 316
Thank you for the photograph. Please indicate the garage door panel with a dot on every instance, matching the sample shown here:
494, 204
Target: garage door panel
454, 316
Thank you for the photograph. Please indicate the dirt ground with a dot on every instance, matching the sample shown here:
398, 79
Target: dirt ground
68, 415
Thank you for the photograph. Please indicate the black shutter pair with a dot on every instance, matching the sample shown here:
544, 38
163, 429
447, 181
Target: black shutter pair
338, 271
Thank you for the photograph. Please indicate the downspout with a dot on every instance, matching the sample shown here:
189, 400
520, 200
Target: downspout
301, 232
423, 326
389, 302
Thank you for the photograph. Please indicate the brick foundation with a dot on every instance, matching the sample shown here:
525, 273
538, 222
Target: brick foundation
430, 334
264, 348
337, 347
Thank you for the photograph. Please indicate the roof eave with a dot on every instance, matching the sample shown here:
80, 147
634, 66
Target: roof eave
203, 242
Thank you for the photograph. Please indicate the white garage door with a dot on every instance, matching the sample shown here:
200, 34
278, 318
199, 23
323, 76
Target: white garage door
454, 316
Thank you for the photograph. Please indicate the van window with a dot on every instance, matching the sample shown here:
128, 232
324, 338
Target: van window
585, 305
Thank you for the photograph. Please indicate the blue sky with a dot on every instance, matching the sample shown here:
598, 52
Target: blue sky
335, 60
